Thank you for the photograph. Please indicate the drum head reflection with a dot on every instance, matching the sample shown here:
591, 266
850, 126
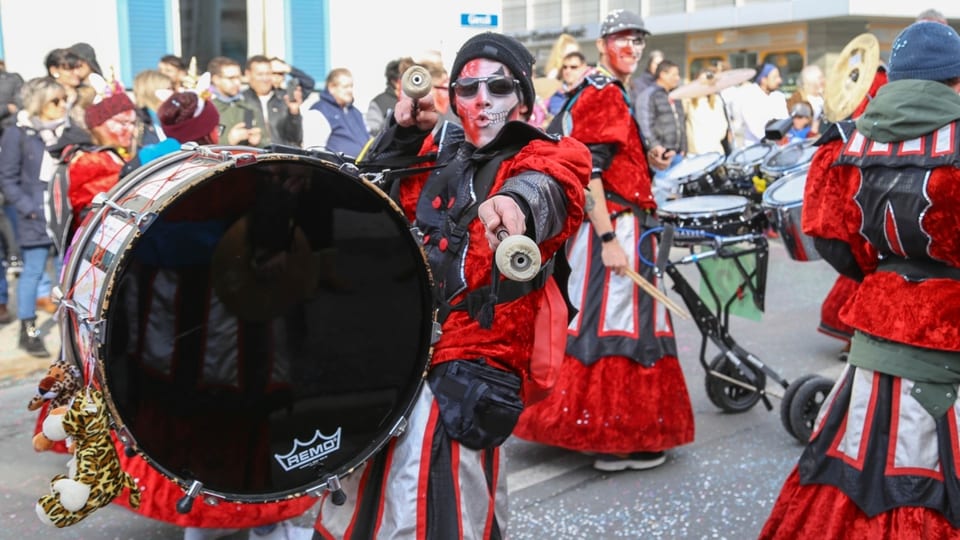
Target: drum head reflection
787, 190
790, 156
695, 166
262, 395
704, 205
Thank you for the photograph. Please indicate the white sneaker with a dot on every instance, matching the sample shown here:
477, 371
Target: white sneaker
285, 530
637, 461
201, 533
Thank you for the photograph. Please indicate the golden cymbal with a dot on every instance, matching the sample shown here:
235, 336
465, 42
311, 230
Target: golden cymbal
849, 80
259, 292
707, 84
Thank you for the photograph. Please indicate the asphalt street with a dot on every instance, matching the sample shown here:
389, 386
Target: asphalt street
722, 485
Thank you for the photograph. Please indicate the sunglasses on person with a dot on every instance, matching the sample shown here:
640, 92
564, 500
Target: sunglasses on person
497, 85
57, 100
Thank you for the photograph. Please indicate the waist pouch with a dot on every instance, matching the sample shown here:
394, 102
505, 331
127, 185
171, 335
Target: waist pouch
479, 404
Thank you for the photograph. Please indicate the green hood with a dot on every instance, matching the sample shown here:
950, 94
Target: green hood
908, 109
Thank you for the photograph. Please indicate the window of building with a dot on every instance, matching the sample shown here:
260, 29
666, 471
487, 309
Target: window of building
209, 29
548, 13
584, 12
666, 7
514, 16
707, 4
631, 5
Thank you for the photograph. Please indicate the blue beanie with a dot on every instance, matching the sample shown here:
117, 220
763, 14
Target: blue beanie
925, 50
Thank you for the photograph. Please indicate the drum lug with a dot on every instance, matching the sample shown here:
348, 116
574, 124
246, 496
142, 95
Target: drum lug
399, 427
97, 327
436, 333
186, 502
337, 496
142, 220
129, 447
245, 159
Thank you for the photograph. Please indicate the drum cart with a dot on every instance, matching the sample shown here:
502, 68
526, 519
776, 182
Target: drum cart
736, 379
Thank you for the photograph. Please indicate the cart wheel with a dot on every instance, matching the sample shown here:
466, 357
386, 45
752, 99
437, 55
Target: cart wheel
728, 396
788, 399
805, 405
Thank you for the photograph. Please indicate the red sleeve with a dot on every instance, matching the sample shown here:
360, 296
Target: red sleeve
91, 173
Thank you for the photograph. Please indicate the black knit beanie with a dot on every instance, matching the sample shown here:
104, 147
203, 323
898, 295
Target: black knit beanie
504, 49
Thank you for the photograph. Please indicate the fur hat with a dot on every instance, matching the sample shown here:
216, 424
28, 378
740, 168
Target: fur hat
186, 117
925, 50
504, 49
103, 110
619, 20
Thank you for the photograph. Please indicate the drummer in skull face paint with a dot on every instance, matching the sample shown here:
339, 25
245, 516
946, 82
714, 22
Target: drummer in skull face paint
487, 97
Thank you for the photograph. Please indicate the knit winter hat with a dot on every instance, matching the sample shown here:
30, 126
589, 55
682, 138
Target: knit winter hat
925, 50
187, 118
504, 49
103, 110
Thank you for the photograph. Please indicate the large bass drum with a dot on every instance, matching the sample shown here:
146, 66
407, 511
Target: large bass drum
260, 322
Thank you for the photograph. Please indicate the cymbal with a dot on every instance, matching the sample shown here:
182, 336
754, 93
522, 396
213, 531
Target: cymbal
849, 80
704, 86
260, 295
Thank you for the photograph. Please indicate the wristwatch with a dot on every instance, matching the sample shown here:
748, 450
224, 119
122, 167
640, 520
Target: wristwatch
608, 237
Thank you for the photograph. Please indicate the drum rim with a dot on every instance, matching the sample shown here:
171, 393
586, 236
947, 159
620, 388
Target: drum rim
393, 422
767, 201
787, 168
732, 158
743, 204
717, 161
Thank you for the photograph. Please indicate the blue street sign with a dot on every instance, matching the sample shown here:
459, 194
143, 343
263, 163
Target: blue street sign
487, 20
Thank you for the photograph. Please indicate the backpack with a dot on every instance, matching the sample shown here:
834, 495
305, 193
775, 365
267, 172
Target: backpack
58, 210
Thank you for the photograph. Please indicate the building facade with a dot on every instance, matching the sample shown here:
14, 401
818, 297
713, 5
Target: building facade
743, 33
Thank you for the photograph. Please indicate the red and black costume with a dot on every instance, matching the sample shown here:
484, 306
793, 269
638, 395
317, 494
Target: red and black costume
883, 460
429, 483
620, 388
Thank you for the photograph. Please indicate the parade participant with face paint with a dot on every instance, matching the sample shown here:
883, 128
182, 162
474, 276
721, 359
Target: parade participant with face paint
621, 393
442, 478
884, 211
111, 121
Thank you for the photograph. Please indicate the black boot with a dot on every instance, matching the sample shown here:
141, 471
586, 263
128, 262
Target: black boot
30, 339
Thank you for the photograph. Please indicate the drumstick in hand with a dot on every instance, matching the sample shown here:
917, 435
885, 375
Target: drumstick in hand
653, 291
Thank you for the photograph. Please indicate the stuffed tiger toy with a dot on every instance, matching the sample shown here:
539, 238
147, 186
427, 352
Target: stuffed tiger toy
95, 474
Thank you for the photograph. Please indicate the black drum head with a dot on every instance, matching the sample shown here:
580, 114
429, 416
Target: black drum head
268, 330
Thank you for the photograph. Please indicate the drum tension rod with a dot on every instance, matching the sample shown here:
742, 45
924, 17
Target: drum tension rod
337, 496
186, 502
141, 220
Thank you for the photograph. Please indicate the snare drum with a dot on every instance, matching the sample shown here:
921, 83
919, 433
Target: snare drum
260, 322
742, 165
724, 215
783, 203
793, 157
696, 175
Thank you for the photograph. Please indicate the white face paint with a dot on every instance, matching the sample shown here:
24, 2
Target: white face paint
483, 111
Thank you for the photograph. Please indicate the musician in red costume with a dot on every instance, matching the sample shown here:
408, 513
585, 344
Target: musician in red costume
442, 478
883, 461
621, 392
844, 287
94, 169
